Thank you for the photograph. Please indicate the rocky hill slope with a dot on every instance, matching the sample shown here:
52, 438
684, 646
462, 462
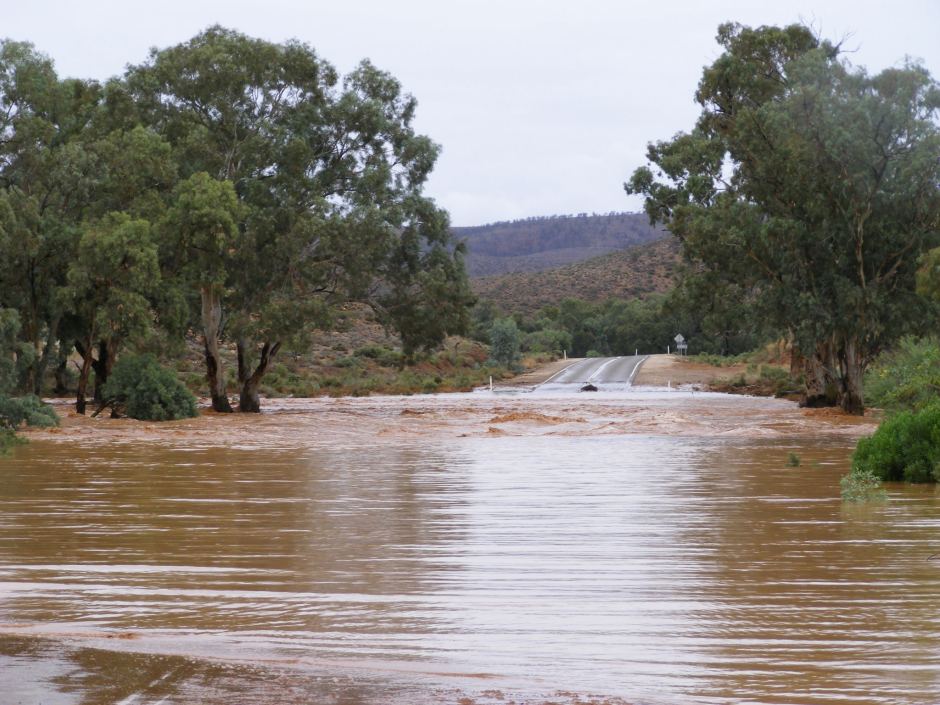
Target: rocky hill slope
537, 244
631, 273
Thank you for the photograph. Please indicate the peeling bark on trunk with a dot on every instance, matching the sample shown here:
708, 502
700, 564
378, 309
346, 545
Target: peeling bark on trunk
819, 385
248, 398
211, 327
852, 401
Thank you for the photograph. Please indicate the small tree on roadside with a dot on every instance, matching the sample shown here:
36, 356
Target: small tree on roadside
505, 340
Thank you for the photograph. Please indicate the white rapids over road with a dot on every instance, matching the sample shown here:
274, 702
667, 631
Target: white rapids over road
605, 373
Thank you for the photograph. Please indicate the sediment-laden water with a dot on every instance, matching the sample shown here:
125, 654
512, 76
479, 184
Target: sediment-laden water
482, 547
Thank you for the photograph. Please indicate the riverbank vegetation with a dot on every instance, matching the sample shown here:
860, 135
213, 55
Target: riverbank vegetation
905, 382
227, 190
807, 191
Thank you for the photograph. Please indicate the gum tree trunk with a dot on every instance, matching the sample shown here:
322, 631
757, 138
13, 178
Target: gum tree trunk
107, 351
248, 398
85, 350
819, 385
211, 327
61, 377
47, 349
853, 369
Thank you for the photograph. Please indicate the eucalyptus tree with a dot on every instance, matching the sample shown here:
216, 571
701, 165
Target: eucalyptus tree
328, 175
813, 185
68, 156
46, 179
110, 280
201, 236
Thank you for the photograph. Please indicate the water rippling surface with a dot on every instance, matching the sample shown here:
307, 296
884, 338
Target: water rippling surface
650, 568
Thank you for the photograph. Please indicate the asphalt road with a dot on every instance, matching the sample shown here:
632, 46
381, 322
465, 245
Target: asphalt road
600, 370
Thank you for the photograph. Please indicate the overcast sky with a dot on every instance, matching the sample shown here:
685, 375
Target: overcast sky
541, 107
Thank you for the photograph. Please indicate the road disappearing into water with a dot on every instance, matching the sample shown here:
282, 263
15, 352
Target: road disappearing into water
600, 370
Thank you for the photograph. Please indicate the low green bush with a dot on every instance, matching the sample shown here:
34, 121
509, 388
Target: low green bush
16, 411
148, 391
905, 447
861, 486
907, 377
386, 357
30, 410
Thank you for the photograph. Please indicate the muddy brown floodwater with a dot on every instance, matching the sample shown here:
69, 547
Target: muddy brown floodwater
634, 547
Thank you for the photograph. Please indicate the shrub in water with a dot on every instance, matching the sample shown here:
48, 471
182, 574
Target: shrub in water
905, 447
148, 391
861, 486
16, 411
29, 410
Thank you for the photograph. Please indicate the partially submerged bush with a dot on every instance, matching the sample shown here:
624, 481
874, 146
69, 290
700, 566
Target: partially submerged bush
148, 391
905, 447
15, 411
861, 486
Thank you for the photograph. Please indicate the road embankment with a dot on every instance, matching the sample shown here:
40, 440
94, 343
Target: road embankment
672, 370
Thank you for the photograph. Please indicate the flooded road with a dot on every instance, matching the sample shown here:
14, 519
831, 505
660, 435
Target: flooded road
465, 548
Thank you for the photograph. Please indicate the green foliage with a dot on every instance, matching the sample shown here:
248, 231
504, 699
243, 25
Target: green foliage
907, 377
505, 340
382, 355
234, 181
547, 340
29, 410
15, 412
906, 447
8, 440
115, 269
329, 179
148, 391
620, 327
862, 487
793, 460
9, 327
791, 192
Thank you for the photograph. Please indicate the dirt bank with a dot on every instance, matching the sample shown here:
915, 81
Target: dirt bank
671, 370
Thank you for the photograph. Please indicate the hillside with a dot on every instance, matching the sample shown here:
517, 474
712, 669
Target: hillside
625, 274
537, 244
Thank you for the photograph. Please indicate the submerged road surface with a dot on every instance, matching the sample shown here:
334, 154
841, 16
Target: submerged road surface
600, 370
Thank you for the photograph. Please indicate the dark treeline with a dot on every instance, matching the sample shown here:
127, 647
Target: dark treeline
228, 188
621, 327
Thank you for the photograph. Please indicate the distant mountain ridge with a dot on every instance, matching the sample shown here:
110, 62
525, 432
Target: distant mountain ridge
538, 244
632, 273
